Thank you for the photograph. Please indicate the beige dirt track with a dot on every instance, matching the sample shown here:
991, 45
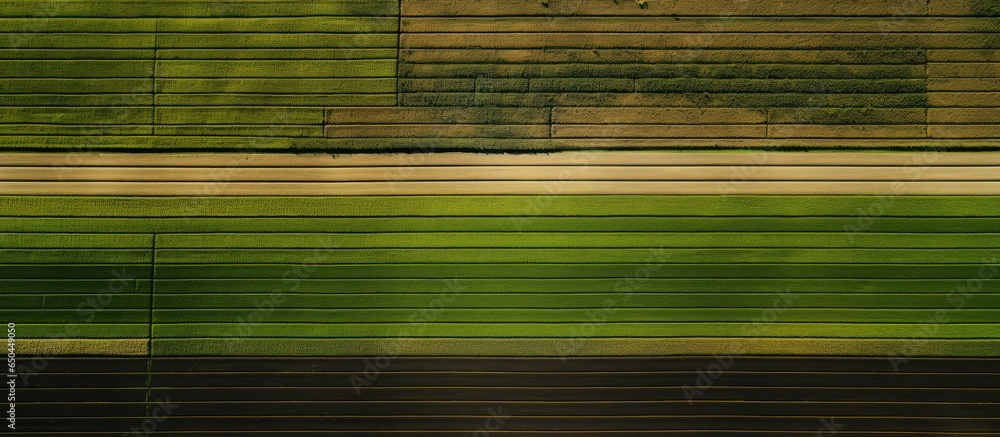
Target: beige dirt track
926, 173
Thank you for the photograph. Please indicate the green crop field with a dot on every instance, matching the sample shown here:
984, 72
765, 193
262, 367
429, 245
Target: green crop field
447, 268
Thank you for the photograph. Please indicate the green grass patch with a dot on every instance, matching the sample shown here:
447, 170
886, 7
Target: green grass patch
443, 332
272, 40
80, 115
567, 271
271, 68
229, 9
74, 271
123, 86
564, 286
279, 25
70, 54
79, 331
277, 53
488, 316
76, 241
985, 8
74, 256
48, 287
241, 130
83, 303
575, 240
415, 302
239, 115
264, 101
270, 87
65, 100
76, 68
575, 255
496, 224
86, 314
700, 346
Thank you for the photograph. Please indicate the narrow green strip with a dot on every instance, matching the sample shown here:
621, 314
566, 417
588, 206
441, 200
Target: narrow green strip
585, 240
482, 321
489, 330
519, 208
499, 224
578, 347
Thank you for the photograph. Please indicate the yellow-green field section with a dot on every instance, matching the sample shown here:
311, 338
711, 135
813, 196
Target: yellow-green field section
498, 75
504, 275
81, 74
